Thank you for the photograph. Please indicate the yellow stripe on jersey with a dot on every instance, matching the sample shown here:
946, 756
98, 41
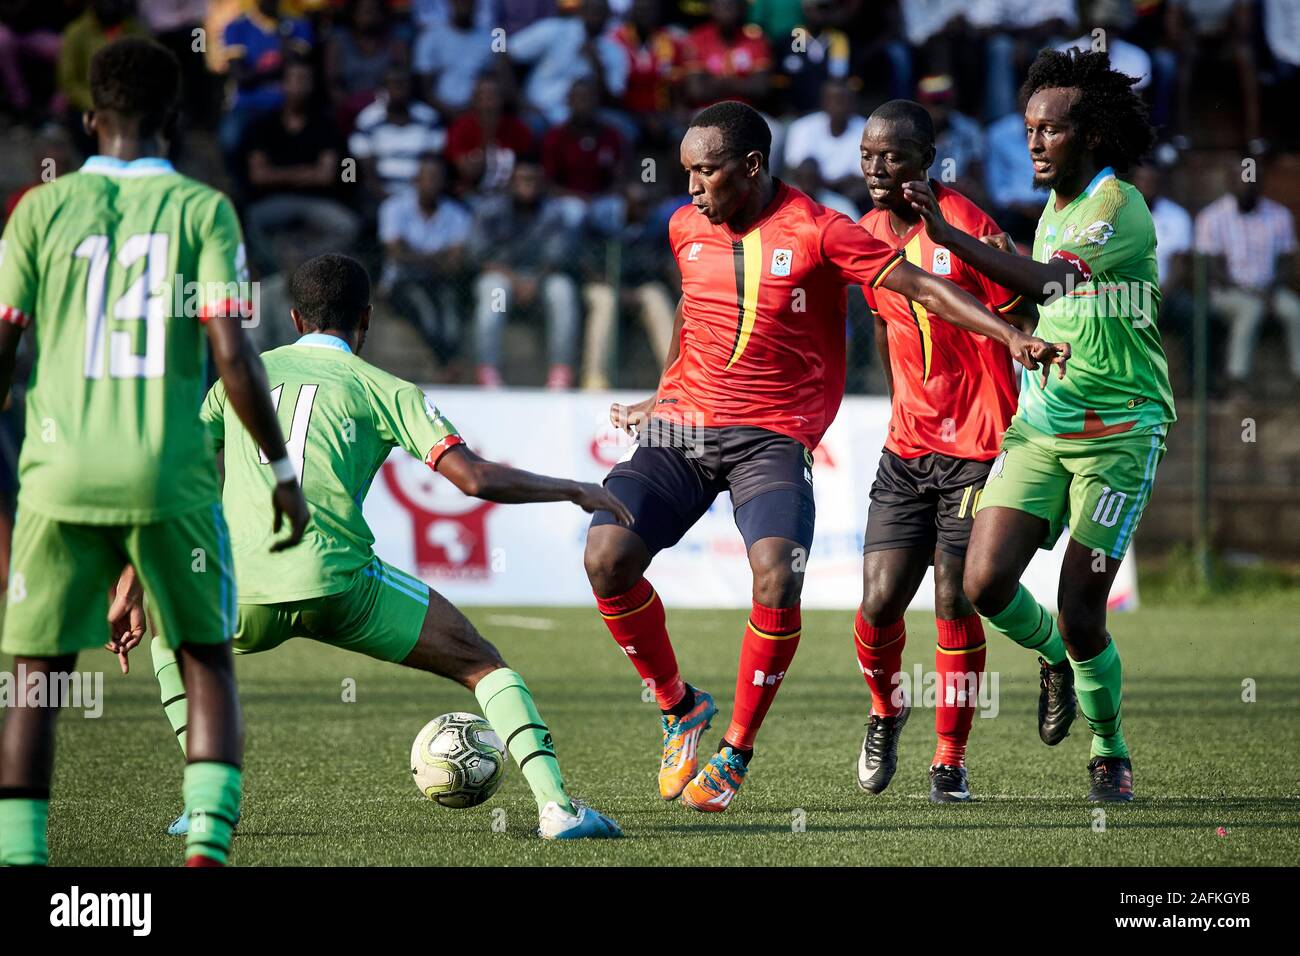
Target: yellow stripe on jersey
749, 270
913, 253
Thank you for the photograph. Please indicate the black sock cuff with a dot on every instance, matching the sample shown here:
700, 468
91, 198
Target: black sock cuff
24, 793
193, 760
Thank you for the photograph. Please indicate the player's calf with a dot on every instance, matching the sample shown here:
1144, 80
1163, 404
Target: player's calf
449, 645
26, 766
213, 780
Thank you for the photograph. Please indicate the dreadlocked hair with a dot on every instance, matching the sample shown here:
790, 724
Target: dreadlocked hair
1107, 104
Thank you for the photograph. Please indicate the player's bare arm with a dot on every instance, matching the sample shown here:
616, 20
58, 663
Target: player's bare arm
1037, 281
945, 299
244, 377
882, 350
492, 481
630, 418
10, 335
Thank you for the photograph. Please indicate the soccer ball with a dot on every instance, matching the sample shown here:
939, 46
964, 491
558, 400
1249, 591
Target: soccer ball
458, 760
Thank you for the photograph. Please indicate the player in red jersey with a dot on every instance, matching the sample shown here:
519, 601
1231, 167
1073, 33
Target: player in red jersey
953, 394
753, 379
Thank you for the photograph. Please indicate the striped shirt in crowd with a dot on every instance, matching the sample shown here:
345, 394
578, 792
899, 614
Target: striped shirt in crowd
1250, 242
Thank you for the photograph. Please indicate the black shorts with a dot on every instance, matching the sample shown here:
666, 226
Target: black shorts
926, 502
674, 474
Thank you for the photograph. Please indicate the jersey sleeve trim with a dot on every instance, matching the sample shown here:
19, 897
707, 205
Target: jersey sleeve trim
15, 316
1076, 261
887, 268
1008, 305
440, 449
226, 307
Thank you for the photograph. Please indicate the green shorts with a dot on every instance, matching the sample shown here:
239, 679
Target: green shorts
380, 614
60, 574
1098, 487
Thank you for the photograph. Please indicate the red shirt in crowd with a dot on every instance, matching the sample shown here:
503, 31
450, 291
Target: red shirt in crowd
744, 54
511, 140
656, 63
583, 162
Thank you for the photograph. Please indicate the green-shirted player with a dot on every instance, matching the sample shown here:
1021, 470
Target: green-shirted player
117, 468
343, 417
1082, 451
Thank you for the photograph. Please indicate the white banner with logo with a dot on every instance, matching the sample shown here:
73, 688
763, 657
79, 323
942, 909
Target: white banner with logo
478, 552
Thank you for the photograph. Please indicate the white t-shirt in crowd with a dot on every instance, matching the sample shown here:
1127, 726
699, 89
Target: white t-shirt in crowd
837, 156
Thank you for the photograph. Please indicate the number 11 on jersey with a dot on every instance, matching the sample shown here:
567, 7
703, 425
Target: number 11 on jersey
296, 443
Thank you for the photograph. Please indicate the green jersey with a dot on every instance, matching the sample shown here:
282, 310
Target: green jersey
1117, 378
342, 417
116, 267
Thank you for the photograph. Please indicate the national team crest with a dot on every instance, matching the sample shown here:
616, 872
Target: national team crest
781, 259
941, 265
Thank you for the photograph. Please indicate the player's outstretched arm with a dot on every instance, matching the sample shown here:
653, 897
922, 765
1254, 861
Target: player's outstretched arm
1036, 281
953, 304
9, 337
244, 377
492, 481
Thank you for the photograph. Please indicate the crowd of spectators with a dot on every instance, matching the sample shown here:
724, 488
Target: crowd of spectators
496, 160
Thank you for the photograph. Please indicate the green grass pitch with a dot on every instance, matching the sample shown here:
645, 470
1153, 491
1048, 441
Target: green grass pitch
327, 781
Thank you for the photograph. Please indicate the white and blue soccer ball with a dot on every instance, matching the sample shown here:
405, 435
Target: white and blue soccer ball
458, 760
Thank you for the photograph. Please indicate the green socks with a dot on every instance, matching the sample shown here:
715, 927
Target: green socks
172, 688
1031, 626
212, 792
1097, 682
22, 829
508, 706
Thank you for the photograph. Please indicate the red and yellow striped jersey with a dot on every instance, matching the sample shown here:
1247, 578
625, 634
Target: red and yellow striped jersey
954, 391
763, 334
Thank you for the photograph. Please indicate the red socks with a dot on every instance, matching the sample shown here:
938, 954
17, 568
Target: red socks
880, 654
636, 622
959, 662
771, 638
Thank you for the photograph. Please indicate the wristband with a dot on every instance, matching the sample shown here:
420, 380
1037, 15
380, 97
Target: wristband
283, 470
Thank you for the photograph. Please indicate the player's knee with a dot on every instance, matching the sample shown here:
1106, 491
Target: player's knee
611, 568
776, 582
985, 588
880, 607
950, 601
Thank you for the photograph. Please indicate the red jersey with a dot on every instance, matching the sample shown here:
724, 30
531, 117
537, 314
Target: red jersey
655, 65
583, 163
511, 141
954, 391
745, 53
763, 316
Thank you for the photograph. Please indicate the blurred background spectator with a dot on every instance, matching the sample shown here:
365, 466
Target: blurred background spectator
392, 133
831, 139
486, 140
29, 53
530, 147
524, 245
1250, 241
582, 158
425, 233
294, 157
562, 49
361, 50
102, 22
